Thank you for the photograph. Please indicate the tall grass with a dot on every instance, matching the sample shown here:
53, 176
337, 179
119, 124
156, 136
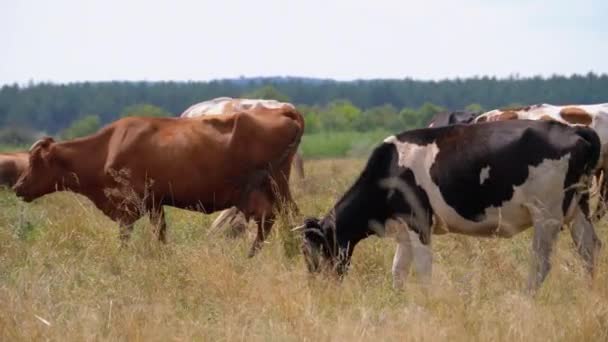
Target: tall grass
63, 277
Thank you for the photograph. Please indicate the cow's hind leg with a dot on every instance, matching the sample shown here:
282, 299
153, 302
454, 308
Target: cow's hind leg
157, 218
583, 234
546, 229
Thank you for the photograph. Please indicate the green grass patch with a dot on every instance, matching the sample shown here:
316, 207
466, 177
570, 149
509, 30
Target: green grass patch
341, 144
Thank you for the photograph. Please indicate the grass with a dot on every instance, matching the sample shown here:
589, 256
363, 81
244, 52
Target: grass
341, 144
63, 277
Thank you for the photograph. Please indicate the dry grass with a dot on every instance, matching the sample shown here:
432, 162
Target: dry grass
64, 277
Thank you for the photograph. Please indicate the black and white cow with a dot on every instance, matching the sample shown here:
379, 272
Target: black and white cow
490, 179
452, 118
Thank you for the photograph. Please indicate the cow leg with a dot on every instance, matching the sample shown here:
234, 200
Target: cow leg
585, 239
264, 226
423, 259
546, 229
157, 218
402, 260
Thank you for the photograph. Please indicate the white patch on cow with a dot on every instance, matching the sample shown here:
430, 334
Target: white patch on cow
218, 106
409, 248
484, 174
543, 187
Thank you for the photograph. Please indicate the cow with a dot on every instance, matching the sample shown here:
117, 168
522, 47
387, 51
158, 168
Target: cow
452, 118
232, 217
11, 167
225, 105
594, 116
136, 165
489, 180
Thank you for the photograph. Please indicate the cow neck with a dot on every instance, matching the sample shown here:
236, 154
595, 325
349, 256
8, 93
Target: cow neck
80, 158
364, 205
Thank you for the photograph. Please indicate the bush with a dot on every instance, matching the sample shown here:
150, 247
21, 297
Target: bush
81, 127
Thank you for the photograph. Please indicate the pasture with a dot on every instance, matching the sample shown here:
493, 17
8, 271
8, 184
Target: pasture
63, 277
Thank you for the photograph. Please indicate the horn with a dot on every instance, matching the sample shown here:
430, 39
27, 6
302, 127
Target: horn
44, 140
40, 141
299, 228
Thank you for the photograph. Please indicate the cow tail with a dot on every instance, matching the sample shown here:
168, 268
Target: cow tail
594, 150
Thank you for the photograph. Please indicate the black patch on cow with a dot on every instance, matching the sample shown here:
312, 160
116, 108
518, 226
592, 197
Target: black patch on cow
452, 118
508, 148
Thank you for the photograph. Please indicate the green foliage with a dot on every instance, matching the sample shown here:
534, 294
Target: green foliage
146, 110
52, 107
267, 92
340, 115
474, 107
84, 126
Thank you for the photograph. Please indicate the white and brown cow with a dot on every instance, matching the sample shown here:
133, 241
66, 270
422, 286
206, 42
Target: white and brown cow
594, 116
489, 179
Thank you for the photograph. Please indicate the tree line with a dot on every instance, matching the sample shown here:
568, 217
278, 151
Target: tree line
328, 105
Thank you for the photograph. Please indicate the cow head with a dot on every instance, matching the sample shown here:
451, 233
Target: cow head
42, 173
319, 247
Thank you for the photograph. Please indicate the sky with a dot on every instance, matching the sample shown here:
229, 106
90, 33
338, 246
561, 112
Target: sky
67, 41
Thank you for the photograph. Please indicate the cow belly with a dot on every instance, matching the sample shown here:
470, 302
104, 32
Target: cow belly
542, 191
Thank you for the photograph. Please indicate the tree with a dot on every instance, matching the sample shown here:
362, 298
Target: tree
427, 111
267, 93
474, 107
144, 109
84, 126
340, 115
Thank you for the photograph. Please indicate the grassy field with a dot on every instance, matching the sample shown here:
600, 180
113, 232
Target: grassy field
63, 277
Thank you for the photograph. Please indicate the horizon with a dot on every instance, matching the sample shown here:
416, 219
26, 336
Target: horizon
99, 41
30, 83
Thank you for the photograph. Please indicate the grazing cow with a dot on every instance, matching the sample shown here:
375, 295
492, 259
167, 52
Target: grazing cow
492, 179
136, 165
11, 167
594, 116
452, 118
232, 217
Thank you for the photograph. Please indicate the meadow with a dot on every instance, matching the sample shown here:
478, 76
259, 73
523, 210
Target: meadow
64, 277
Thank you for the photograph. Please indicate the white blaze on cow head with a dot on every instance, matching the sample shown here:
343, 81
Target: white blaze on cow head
42, 174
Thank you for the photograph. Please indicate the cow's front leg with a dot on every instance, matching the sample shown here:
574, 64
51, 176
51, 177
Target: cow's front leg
402, 261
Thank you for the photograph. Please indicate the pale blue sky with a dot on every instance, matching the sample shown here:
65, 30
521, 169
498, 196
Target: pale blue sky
65, 41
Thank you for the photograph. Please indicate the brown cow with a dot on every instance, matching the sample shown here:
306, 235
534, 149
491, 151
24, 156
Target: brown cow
234, 221
136, 165
11, 167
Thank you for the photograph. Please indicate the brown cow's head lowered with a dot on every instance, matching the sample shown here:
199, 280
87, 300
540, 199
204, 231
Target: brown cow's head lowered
42, 174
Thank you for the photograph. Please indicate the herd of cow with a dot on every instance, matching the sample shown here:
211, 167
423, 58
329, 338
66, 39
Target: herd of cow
493, 174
